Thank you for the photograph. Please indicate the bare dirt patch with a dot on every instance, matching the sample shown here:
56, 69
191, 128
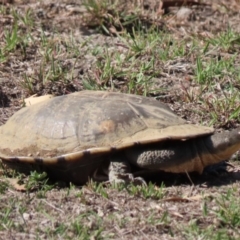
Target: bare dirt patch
49, 47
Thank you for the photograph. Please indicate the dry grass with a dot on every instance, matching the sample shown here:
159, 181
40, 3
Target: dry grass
186, 57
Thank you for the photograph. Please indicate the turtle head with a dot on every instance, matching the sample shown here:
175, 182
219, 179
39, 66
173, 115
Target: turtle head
224, 144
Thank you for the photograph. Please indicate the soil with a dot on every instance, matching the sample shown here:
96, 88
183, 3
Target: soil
64, 212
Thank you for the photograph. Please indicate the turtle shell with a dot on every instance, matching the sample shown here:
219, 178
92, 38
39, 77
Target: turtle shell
72, 134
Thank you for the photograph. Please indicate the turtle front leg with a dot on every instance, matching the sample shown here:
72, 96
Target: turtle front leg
119, 171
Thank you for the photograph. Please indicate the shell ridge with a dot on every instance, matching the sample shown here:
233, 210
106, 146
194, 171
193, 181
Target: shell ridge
82, 129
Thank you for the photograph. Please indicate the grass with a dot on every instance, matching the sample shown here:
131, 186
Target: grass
224, 217
227, 41
88, 219
132, 49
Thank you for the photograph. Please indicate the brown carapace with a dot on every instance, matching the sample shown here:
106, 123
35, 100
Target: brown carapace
73, 136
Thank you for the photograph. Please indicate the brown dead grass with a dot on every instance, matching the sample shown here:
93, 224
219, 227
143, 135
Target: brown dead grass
87, 212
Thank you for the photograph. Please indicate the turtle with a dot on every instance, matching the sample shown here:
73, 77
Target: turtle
87, 134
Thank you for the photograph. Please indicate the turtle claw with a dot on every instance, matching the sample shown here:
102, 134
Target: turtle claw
127, 178
138, 181
120, 173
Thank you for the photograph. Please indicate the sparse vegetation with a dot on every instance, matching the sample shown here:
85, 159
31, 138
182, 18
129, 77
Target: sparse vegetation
188, 61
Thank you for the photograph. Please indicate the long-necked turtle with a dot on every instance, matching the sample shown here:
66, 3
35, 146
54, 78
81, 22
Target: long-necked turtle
74, 135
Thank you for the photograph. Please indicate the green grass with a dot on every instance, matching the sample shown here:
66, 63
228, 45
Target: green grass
224, 217
227, 41
129, 51
144, 55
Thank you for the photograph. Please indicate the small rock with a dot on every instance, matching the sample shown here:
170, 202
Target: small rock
26, 216
184, 14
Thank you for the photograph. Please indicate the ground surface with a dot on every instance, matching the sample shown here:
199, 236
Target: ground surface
186, 57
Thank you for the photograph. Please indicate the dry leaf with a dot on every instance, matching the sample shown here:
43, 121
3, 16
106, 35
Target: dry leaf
34, 99
14, 183
186, 199
176, 214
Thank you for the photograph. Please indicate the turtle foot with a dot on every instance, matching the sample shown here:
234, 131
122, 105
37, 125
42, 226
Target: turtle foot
127, 178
